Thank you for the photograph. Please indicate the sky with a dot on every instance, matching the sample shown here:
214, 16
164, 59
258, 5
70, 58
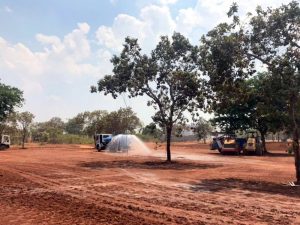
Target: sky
55, 50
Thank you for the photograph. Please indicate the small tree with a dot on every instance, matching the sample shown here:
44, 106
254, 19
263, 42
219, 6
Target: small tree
95, 122
121, 121
202, 129
77, 124
25, 119
152, 130
168, 76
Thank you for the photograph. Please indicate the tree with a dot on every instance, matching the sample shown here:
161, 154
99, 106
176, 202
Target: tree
10, 97
10, 126
95, 122
121, 121
48, 131
202, 129
25, 119
230, 53
152, 130
274, 40
168, 76
76, 124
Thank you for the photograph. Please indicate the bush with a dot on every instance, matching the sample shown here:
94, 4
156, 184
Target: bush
146, 137
75, 139
70, 139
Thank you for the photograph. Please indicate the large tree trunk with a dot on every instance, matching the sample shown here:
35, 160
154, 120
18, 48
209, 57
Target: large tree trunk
295, 138
263, 140
23, 140
296, 153
169, 133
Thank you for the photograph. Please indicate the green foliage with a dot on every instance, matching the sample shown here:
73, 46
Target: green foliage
9, 125
202, 129
10, 97
47, 131
147, 137
95, 122
76, 124
152, 132
121, 121
261, 107
71, 139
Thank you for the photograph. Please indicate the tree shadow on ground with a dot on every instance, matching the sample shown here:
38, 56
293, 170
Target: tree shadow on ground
279, 154
217, 185
161, 165
269, 154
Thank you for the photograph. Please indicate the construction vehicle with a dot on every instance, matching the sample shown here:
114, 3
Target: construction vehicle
102, 140
233, 144
241, 141
217, 143
5, 142
254, 143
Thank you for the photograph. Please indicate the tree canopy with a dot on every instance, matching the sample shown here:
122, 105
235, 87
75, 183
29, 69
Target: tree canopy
10, 97
101, 121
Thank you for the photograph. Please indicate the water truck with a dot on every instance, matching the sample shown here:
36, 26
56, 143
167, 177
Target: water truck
102, 140
217, 143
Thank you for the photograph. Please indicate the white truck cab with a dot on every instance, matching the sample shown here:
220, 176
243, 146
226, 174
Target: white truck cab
102, 140
5, 142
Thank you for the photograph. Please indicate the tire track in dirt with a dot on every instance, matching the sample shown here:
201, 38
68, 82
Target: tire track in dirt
137, 204
168, 215
132, 198
144, 205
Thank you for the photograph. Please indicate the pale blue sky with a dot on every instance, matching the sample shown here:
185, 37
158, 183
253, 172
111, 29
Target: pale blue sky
55, 50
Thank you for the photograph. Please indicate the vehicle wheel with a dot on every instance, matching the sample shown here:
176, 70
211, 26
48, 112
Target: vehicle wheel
98, 148
3, 147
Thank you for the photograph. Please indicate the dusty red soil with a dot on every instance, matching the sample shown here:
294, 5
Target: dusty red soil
70, 184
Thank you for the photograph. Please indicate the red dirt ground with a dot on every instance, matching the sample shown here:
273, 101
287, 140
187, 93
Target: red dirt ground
71, 184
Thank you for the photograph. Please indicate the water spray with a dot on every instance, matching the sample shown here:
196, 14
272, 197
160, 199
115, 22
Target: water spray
127, 143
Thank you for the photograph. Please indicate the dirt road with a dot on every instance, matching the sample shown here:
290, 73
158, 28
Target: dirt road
69, 184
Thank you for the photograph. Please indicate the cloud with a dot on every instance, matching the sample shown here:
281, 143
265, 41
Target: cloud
19, 58
8, 9
187, 20
69, 56
31, 88
213, 12
167, 2
54, 98
152, 22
